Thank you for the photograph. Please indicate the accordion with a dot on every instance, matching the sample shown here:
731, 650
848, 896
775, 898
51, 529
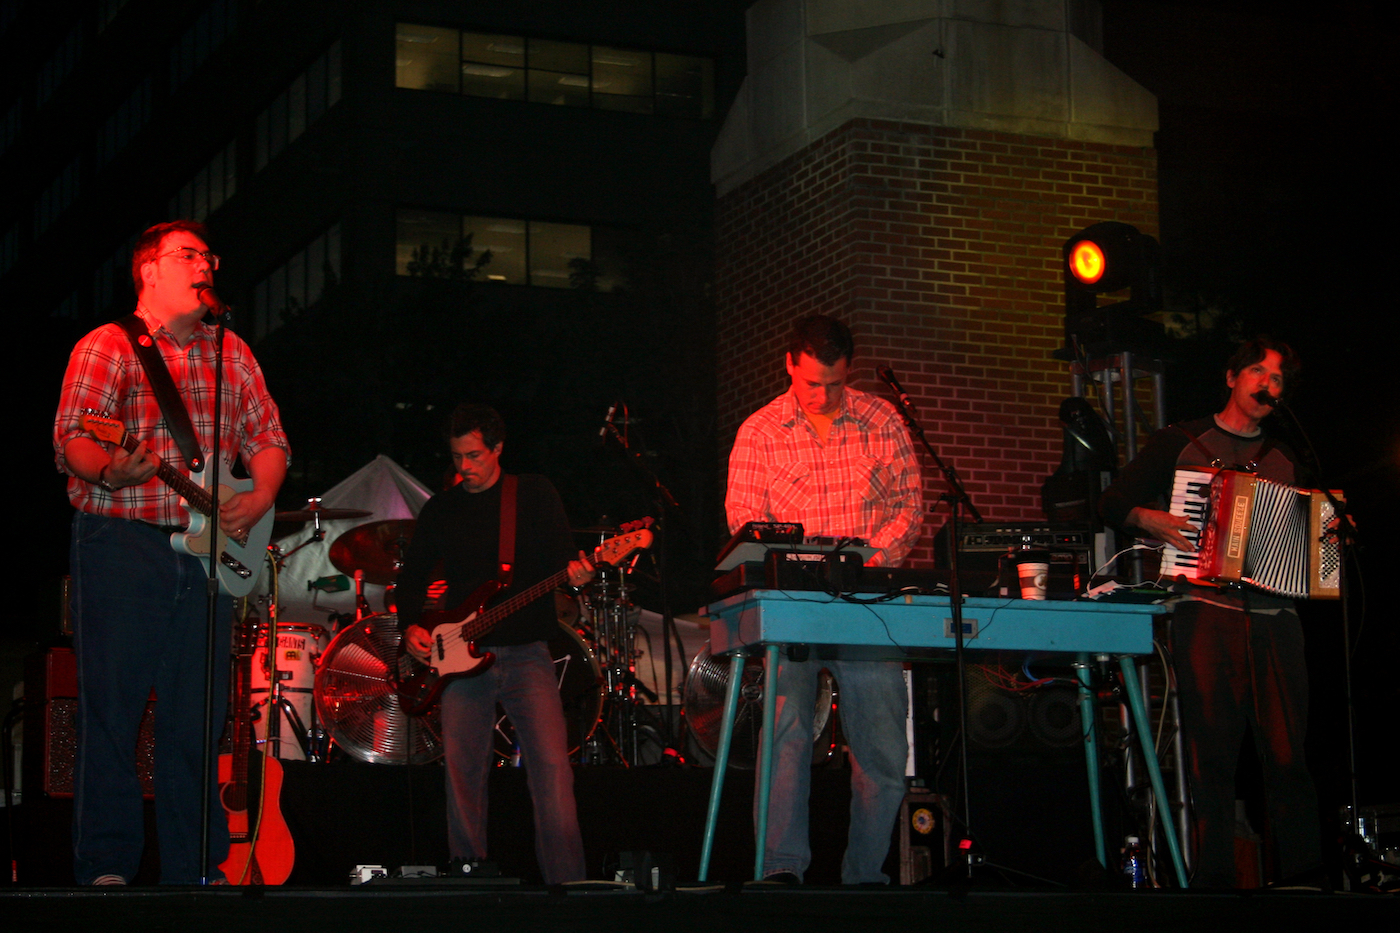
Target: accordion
1269, 535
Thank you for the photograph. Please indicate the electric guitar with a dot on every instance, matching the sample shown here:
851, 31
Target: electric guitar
454, 631
260, 844
240, 558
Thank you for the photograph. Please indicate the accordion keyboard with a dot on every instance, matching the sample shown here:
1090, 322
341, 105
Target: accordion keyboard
1190, 497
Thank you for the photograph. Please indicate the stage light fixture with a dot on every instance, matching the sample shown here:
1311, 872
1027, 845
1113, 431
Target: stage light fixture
1103, 260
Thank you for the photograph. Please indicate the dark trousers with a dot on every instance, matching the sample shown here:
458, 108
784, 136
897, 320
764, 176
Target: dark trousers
139, 620
1236, 669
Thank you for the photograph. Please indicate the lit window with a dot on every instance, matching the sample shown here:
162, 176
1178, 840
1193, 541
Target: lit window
547, 71
505, 239
427, 58
558, 73
421, 232
493, 66
435, 244
621, 80
552, 248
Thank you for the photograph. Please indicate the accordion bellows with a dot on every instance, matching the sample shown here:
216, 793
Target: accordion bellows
1271, 536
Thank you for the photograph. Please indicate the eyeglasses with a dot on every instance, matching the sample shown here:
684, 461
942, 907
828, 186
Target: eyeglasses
189, 254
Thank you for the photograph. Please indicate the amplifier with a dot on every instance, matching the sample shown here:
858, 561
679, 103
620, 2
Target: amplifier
50, 736
981, 546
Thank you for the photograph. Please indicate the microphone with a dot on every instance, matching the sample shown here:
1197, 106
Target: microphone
887, 374
1264, 398
608, 419
210, 300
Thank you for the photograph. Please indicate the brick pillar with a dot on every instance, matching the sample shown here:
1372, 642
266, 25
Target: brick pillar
940, 247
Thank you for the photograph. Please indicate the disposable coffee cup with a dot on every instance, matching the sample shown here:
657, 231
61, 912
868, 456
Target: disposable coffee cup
1032, 572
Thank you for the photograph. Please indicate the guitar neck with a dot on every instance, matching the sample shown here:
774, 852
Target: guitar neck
193, 493
487, 620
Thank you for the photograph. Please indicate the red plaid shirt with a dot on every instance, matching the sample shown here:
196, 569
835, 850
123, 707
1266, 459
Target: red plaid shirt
864, 482
105, 374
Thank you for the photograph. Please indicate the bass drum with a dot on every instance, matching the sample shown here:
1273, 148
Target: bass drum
580, 692
299, 649
357, 702
705, 686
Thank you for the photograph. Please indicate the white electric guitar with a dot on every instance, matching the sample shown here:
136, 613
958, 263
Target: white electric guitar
241, 557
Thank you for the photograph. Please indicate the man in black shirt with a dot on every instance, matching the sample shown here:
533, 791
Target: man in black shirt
461, 529
1238, 652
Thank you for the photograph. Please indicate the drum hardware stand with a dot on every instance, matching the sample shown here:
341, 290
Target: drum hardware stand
310, 738
673, 744
616, 638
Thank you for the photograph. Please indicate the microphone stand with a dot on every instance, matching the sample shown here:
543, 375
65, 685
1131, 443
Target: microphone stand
664, 501
220, 313
1344, 532
957, 498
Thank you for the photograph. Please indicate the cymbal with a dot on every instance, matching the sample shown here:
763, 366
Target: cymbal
595, 530
314, 508
373, 548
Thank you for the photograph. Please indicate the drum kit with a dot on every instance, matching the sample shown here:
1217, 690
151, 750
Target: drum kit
319, 692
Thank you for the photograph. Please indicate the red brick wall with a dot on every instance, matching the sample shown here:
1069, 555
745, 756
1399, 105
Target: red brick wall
941, 249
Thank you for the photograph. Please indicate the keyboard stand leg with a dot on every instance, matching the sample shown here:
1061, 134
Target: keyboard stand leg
1088, 716
1149, 756
726, 737
765, 781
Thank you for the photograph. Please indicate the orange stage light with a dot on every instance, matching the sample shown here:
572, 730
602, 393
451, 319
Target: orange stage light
1087, 262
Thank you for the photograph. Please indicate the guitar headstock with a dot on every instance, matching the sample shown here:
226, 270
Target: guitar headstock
102, 425
617, 549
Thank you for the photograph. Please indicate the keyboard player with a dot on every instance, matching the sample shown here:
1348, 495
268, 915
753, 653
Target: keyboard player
838, 461
1238, 653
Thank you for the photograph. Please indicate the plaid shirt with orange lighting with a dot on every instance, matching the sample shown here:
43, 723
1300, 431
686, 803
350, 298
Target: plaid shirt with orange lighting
105, 374
864, 482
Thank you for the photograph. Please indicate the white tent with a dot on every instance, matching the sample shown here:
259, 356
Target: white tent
383, 488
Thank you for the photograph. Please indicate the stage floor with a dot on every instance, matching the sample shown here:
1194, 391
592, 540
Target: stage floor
395, 906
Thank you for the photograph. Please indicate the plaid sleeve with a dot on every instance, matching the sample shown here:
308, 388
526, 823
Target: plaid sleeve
94, 379
747, 497
904, 502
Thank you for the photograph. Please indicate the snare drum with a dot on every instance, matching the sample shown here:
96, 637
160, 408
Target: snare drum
299, 647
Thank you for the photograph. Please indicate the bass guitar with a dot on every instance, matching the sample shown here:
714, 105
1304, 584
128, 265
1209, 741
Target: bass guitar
260, 844
240, 558
455, 631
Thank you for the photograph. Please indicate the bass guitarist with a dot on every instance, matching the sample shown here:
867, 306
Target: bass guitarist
139, 606
465, 531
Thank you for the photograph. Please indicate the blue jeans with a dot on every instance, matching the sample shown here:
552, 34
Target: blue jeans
139, 620
873, 706
523, 681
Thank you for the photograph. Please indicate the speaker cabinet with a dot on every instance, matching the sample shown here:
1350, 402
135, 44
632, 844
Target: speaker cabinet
50, 734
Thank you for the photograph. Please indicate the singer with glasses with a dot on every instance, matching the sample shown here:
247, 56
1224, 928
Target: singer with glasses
839, 461
139, 607
1238, 652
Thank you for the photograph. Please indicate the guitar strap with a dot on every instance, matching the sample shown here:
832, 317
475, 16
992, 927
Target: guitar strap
507, 548
177, 417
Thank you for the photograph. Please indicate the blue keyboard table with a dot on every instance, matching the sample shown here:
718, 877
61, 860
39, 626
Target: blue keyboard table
915, 628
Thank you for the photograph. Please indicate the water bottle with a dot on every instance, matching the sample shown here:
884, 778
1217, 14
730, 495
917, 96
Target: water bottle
1133, 863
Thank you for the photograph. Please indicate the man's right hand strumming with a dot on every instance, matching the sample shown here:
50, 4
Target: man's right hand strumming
418, 642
